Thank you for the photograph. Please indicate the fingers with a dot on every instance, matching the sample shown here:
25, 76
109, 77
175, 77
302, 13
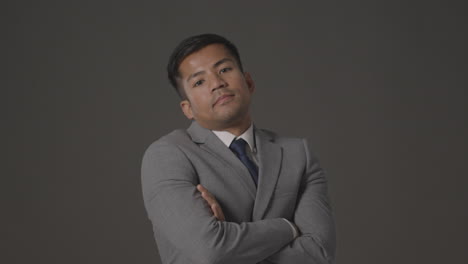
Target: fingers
218, 212
206, 195
201, 188
212, 203
215, 210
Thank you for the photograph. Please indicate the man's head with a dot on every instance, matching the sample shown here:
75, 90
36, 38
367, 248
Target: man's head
189, 46
215, 91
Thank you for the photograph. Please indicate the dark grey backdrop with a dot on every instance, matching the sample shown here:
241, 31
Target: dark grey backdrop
379, 88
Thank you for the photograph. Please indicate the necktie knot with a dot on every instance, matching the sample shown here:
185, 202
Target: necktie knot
238, 146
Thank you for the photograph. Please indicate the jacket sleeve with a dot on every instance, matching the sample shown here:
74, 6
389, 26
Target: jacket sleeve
314, 219
179, 213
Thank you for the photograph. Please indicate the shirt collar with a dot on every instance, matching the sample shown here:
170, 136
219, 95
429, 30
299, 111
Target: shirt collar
227, 138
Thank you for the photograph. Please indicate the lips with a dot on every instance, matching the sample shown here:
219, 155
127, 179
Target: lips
223, 98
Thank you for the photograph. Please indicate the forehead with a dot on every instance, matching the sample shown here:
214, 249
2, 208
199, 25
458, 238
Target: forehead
204, 58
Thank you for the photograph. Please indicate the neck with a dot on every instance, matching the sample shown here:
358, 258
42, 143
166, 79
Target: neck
237, 131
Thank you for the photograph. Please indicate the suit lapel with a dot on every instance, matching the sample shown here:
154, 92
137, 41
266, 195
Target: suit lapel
270, 157
208, 141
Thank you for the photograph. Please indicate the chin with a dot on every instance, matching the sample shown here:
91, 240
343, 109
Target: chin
233, 118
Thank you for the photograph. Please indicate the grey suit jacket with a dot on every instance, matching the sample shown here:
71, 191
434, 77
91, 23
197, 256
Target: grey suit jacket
291, 185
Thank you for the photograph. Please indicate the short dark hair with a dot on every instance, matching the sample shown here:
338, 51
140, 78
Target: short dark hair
191, 45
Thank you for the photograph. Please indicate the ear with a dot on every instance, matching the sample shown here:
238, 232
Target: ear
250, 82
187, 109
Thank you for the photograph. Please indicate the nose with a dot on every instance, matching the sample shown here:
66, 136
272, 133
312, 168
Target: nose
218, 82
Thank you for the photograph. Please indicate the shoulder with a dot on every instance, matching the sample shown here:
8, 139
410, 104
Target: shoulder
296, 145
279, 139
171, 142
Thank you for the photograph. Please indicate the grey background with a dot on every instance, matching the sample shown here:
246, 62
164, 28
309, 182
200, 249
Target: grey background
378, 87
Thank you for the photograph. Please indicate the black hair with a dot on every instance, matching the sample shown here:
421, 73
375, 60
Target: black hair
191, 45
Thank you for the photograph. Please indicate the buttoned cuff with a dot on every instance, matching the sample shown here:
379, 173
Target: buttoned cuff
293, 227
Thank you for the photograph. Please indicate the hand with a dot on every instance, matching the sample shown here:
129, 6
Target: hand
212, 203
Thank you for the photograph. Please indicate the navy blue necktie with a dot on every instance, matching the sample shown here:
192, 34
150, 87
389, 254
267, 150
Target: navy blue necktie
238, 147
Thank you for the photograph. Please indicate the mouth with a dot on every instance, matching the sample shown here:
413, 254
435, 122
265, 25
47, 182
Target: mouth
223, 99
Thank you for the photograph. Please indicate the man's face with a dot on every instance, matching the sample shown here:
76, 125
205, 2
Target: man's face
218, 92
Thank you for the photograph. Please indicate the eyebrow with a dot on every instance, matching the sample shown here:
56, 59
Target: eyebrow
214, 66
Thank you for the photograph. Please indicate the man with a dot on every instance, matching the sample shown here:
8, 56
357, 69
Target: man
224, 191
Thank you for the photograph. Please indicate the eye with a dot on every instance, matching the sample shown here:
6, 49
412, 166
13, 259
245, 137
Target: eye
198, 83
223, 70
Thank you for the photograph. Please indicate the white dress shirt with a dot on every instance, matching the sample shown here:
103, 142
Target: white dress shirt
249, 136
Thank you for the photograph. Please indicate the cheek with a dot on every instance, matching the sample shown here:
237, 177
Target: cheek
200, 104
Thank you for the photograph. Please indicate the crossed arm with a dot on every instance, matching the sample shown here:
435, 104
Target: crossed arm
174, 201
313, 219
302, 249
182, 222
